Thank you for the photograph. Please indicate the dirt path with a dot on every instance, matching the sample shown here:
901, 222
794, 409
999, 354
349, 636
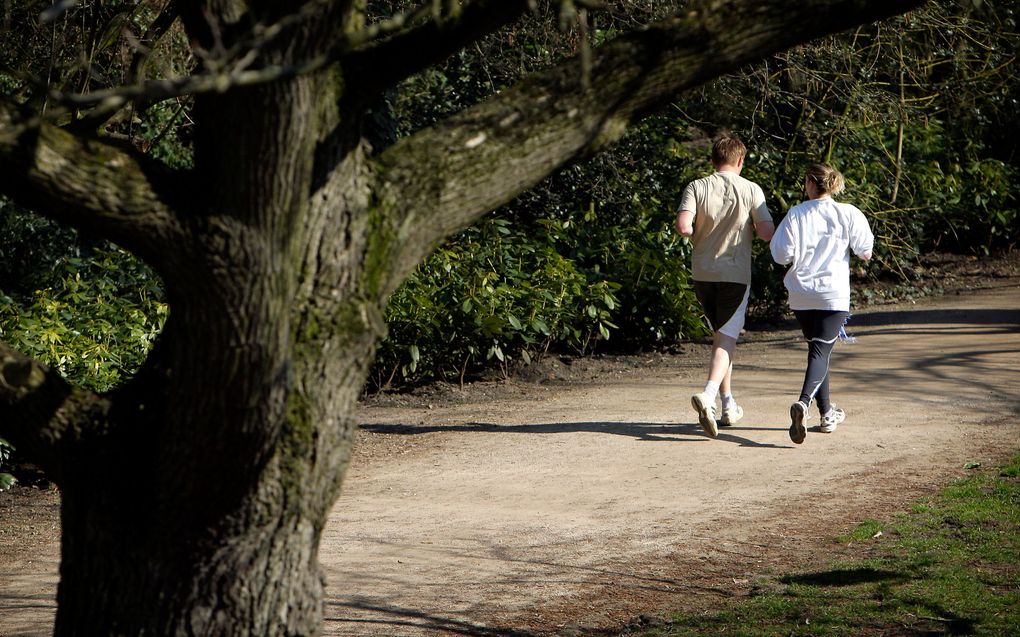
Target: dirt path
573, 505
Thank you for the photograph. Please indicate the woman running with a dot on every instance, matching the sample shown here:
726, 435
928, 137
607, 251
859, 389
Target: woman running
817, 237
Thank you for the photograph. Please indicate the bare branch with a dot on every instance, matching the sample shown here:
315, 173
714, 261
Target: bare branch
391, 26
89, 184
157, 29
152, 91
41, 414
376, 56
382, 64
447, 176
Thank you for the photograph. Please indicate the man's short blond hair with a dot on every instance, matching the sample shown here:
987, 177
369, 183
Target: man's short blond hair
727, 150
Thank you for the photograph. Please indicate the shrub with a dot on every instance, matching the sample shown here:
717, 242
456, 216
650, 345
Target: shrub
94, 320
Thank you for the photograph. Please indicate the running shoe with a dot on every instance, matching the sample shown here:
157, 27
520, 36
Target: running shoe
831, 420
798, 418
730, 415
706, 413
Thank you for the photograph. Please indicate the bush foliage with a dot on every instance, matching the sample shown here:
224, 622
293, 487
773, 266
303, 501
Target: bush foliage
92, 317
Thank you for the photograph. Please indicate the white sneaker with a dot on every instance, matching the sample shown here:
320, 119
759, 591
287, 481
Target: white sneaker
730, 415
798, 416
706, 413
831, 420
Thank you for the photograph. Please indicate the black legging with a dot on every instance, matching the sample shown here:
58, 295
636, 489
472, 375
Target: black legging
821, 329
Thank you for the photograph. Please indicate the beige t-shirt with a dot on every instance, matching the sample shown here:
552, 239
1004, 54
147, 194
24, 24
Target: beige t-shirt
726, 206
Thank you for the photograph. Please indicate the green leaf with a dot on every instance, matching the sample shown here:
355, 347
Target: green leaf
7, 481
540, 325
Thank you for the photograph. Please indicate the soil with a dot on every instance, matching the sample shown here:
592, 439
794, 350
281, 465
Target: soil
582, 498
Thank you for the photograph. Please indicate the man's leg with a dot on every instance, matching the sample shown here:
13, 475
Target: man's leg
726, 386
732, 309
704, 402
724, 305
720, 369
726, 339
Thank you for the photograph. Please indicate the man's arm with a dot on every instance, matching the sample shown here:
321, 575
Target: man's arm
763, 224
685, 223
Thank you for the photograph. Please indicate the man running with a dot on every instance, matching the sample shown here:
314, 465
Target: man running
721, 213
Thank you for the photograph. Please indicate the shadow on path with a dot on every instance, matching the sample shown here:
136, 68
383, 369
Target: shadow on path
662, 432
392, 618
932, 322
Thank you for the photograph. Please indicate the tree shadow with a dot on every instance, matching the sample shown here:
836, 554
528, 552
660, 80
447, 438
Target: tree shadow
845, 577
11, 603
920, 322
657, 432
925, 370
377, 616
27, 614
936, 375
392, 618
622, 574
949, 623
1004, 319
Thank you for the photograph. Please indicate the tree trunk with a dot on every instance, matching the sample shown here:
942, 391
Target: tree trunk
230, 549
121, 574
202, 513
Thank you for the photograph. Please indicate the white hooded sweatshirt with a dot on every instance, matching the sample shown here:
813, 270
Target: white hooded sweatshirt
817, 236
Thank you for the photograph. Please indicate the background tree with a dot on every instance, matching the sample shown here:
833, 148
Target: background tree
194, 494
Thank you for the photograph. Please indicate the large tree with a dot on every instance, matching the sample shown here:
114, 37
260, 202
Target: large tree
194, 496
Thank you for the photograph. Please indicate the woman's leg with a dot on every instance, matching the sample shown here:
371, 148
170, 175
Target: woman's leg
822, 395
821, 329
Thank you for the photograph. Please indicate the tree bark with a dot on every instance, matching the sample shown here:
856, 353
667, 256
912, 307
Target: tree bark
202, 510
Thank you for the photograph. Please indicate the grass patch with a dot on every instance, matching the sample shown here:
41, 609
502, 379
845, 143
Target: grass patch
951, 566
864, 531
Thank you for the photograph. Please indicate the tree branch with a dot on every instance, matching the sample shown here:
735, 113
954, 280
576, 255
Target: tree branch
89, 185
375, 57
157, 29
41, 414
383, 63
443, 178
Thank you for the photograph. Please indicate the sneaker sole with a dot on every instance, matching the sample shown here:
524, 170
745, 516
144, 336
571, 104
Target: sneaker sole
797, 429
827, 429
704, 419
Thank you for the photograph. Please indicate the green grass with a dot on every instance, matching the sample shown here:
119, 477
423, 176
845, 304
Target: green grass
949, 567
